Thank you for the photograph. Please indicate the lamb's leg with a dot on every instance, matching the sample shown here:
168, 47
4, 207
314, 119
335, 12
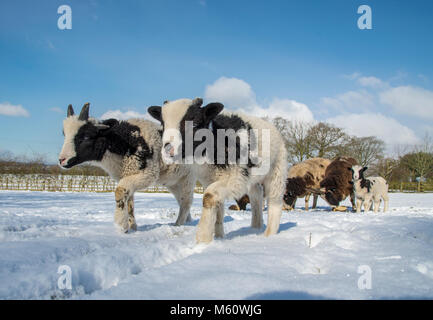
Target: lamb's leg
131, 217
121, 216
213, 207
307, 200
315, 197
124, 195
385, 202
367, 202
376, 204
256, 199
206, 226
219, 223
275, 184
183, 191
358, 205
274, 216
352, 200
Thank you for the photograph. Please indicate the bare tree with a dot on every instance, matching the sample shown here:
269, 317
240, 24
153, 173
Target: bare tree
386, 168
296, 138
326, 139
420, 160
366, 150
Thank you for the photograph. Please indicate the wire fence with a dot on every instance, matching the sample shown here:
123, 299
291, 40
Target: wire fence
65, 183
85, 183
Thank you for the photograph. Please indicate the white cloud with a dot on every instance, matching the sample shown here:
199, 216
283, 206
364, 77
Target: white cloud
409, 100
375, 124
232, 92
371, 82
237, 94
8, 109
124, 115
354, 100
285, 108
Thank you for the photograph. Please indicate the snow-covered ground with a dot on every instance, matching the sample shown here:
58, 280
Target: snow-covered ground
316, 255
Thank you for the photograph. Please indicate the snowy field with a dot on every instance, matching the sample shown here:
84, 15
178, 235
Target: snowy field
316, 255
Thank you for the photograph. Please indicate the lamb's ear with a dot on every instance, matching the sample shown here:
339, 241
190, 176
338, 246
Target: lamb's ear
155, 112
84, 114
212, 110
350, 169
70, 111
363, 169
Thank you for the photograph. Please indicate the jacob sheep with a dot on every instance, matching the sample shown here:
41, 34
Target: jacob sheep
337, 183
239, 156
129, 152
368, 190
302, 177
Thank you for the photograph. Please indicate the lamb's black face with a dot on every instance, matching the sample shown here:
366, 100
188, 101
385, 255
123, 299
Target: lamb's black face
86, 145
83, 141
181, 119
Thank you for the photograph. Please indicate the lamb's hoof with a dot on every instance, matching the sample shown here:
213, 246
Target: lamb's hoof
122, 228
234, 207
269, 232
219, 236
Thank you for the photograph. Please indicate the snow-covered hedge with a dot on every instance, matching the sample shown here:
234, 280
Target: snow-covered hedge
65, 183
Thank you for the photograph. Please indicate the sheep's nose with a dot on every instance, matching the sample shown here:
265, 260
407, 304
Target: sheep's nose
61, 160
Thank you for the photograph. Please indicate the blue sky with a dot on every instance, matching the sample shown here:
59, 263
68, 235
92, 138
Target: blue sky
300, 59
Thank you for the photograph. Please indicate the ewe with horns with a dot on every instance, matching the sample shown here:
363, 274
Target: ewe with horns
129, 151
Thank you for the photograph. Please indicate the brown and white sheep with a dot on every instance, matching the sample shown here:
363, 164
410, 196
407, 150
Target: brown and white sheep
303, 177
337, 184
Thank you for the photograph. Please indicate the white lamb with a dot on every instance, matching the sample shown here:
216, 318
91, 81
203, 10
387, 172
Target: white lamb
226, 167
368, 190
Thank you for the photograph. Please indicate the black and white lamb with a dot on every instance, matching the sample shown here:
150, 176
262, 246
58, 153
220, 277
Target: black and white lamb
241, 154
129, 151
369, 190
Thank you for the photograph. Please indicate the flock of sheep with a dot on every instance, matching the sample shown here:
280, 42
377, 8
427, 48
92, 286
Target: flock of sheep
138, 153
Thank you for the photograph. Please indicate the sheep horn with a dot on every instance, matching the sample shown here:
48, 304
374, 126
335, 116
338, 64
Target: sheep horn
84, 114
70, 111
197, 102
